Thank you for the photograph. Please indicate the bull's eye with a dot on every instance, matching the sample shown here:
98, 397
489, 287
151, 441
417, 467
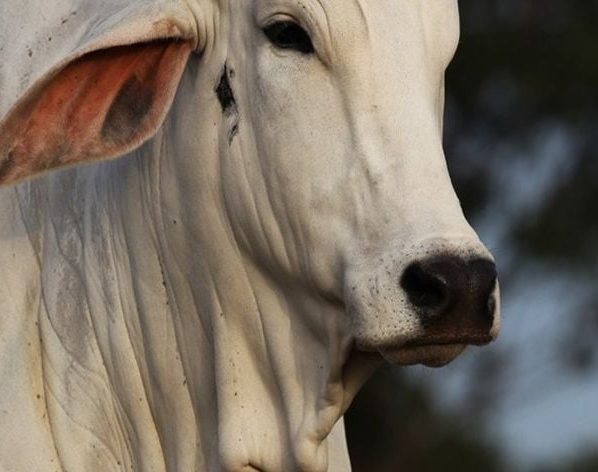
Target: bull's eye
289, 35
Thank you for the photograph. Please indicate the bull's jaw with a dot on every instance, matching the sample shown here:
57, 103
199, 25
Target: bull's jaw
430, 356
282, 370
310, 376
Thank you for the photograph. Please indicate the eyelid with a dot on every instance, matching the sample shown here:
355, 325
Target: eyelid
304, 17
279, 17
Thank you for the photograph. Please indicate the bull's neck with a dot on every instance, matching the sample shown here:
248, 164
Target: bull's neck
166, 347
272, 352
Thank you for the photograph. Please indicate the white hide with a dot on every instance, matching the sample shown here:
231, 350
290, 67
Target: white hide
195, 304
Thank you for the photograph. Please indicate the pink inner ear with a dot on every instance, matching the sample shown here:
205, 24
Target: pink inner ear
99, 106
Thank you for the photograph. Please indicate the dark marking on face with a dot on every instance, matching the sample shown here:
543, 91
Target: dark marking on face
228, 103
233, 132
7, 166
224, 92
127, 112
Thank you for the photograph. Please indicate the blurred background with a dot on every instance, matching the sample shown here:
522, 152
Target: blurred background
521, 140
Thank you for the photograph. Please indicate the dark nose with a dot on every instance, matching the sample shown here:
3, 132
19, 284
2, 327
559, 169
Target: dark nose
442, 285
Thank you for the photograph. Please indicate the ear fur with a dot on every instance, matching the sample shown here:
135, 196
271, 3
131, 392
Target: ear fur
98, 106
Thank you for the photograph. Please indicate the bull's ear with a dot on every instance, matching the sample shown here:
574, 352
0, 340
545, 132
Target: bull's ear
98, 106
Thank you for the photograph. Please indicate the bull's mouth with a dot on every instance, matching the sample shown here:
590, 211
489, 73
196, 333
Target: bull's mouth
433, 355
431, 352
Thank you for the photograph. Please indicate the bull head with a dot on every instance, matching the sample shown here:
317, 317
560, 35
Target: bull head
301, 202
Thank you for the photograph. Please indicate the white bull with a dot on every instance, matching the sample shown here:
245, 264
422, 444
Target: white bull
283, 220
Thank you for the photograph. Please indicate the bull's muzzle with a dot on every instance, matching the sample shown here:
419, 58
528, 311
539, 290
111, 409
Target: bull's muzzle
455, 299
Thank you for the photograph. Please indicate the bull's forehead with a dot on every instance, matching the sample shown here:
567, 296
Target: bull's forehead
347, 29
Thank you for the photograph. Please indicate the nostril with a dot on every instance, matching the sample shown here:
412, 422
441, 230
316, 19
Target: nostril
449, 285
424, 289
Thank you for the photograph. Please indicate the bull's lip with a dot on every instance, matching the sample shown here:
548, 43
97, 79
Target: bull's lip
431, 352
433, 355
474, 340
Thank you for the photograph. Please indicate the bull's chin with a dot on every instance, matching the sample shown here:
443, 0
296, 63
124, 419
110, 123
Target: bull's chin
433, 355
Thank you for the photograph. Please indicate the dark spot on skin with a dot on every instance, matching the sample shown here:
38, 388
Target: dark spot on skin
228, 103
29, 52
127, 112
233, 132
224, 92
7, 165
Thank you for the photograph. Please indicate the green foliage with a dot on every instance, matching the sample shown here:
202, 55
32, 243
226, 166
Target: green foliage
565, 229
522, 64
